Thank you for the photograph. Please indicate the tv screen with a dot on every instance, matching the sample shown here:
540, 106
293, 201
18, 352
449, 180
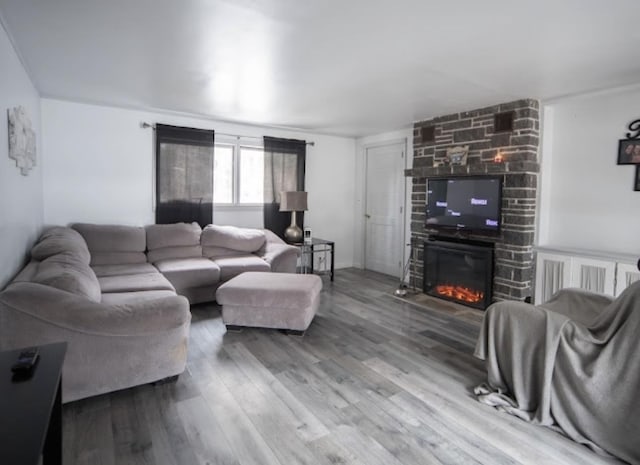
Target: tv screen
464, 203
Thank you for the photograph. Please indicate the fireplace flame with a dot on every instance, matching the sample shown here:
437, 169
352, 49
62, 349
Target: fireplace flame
461, 293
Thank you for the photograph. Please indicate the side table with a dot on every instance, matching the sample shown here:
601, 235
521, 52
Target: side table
309, 249
31, 409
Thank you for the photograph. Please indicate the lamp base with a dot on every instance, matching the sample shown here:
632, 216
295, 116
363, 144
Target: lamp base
293, 234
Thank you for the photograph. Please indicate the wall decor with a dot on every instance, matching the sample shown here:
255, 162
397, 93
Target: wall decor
634, 127
458, 155
22, 139
629, 152
636, 185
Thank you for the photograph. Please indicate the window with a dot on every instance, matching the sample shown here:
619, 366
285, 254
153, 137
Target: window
251, 183
223, 174
238, 174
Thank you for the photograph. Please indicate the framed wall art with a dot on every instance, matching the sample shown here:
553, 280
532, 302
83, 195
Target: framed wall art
22, 140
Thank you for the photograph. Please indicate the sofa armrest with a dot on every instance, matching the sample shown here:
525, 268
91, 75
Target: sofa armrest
282, 258
70, 312
272, 238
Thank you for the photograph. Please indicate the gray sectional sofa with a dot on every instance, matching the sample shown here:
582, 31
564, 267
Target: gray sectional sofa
120, 295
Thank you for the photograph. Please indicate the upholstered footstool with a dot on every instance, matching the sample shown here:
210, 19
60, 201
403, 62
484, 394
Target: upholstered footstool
270, 300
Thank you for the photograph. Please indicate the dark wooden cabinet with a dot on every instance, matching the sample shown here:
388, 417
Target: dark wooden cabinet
31, 409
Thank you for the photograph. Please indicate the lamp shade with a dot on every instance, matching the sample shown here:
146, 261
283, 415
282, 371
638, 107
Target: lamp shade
293, 201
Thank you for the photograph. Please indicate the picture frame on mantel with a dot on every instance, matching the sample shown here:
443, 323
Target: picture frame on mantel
629, 152
458, 155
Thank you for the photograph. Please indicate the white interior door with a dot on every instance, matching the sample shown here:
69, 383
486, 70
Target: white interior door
384, 184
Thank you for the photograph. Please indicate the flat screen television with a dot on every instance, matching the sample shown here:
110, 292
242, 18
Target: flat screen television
472, 204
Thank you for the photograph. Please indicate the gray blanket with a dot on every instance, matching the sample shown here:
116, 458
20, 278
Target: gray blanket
572, 363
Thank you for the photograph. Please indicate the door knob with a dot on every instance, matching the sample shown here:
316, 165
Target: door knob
367, 216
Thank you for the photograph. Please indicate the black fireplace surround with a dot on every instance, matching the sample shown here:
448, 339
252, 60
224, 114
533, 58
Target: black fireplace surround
459, 270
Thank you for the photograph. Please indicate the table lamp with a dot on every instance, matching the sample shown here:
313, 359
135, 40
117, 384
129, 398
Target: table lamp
293, 201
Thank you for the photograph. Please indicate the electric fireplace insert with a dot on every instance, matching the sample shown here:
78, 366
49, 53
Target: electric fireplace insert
460, 271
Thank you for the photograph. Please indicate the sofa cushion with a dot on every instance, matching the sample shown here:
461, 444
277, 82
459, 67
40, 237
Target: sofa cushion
233, 266
166, 253
117, 258
135, 282
68, 272
179, 240
59, 239
230, 237
190, 272
120, 270
123, 298
114, 244
173, 235
217, 252
27, 273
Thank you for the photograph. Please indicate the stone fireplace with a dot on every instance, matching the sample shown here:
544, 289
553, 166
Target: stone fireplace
503, 140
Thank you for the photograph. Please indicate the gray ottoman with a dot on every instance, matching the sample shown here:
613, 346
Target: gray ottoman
270, 300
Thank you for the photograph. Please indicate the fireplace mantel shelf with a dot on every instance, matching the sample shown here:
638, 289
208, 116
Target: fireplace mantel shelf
476, 168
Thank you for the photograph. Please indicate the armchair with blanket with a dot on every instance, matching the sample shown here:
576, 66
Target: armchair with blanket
571, 363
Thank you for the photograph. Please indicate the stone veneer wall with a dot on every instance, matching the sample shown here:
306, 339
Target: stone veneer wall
513, 264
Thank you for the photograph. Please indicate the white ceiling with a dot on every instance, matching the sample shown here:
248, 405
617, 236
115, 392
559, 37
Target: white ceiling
351, 67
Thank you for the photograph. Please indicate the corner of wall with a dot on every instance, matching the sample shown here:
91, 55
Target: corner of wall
546, 161
21, 197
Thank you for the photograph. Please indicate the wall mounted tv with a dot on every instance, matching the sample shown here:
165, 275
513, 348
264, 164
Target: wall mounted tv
472, 204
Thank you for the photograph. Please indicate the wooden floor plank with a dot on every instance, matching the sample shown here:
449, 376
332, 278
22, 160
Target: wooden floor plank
274, 425
205, 433
131, 435
247, 444
473, 415
307, 426
92, 435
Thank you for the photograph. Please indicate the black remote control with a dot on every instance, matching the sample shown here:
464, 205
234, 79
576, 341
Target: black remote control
26, 361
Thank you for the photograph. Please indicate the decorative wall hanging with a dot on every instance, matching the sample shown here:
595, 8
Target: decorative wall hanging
22, 140
457, 155
629, 152
634, 127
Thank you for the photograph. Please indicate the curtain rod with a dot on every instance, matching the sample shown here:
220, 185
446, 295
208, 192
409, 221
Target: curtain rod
145, 125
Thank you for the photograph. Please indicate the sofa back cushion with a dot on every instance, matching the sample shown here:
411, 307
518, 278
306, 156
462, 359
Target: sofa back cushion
178, 240
65, 271
59, 239
223, 240
114, 244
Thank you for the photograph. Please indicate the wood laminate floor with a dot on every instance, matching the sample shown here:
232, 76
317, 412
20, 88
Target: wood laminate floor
375, 380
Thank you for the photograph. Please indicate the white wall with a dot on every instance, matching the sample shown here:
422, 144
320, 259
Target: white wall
404, 135
21, 210
99, 169
587, 200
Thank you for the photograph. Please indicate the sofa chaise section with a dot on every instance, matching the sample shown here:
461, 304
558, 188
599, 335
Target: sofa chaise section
110, 346
115, 340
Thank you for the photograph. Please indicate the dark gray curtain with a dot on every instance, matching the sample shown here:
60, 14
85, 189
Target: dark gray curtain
184, 175
284, 167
